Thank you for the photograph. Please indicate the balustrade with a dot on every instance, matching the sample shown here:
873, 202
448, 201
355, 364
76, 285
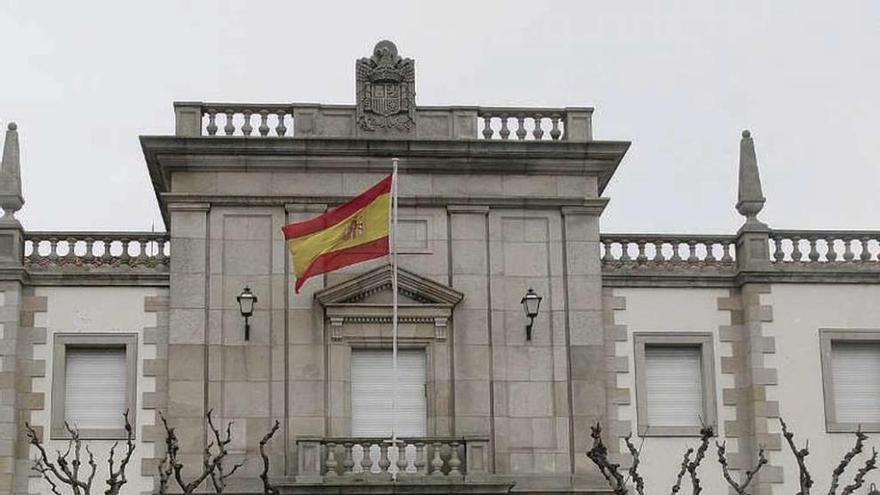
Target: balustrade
807, 246
436, 459
241, 119
646, 249
134, 249
534, 123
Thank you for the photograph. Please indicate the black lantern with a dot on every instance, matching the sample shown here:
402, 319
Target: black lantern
874, 490
531, 302
246, 301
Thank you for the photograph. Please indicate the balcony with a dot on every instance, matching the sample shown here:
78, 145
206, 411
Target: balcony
413, 465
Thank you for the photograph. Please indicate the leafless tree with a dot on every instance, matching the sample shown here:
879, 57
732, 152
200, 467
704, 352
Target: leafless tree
806, 481
618, 483
67, 466
268, 488
170, 468
739, 488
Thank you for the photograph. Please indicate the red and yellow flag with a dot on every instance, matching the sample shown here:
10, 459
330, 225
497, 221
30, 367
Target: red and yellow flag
350, 233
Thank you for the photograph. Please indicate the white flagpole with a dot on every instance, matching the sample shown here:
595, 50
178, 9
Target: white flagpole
394, 304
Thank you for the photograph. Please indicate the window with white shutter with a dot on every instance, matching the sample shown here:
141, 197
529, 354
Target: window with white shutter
95, 395
371, 393
675, 383
851, 378
94, 382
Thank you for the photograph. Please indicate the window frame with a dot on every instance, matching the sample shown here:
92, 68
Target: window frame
705, 342
828, 336
61, 342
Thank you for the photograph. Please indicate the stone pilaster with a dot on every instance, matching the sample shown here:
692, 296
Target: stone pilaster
187, 330
586, 336
158, 369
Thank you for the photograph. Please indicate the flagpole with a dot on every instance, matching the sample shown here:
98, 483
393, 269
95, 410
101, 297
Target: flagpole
394, 304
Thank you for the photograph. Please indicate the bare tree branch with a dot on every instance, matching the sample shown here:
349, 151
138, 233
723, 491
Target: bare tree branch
740, 489
706, 433
218, 476
857, 449
859, 479
806, 481
634, 467
268, 489
117, 477
686, 459
64, 470
599, 455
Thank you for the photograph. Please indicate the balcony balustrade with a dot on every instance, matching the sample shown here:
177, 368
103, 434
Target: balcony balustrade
668, 249
437, 459
827, 247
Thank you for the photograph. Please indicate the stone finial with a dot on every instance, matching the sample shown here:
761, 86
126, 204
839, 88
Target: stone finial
11, 199
750, 200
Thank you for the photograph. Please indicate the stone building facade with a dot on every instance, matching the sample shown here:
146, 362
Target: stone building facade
493, 201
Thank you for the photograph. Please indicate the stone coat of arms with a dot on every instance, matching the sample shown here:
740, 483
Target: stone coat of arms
386, 95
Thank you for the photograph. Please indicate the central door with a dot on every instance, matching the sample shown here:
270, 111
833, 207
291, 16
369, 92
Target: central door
371, 393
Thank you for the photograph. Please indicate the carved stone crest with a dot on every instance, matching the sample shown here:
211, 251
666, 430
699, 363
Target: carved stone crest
386, 90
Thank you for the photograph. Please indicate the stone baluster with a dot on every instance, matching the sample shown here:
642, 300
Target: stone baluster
624, 250
367, 461
143, 256
212, 122
160, 250
106, 256
711, 255
778, 253
866, 253
53, 250
676, 255
726, 256
247, 128
606, 251
538, 131
437, 461
814, 249
229, 128
640, 245
505, 132
692, 251
348, 462
35, 252
89, 255
280, 129
487, 127
848, 254
384, 462
401, 458
264, 123
555, 133
420, 464
454, 460
331, 462
125, 256
796, 254
521, 127
71, 250
832, 250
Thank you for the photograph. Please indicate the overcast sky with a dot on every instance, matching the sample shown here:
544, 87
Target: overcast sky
679, 79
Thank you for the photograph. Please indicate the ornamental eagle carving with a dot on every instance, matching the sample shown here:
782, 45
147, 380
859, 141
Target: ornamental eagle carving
386, 90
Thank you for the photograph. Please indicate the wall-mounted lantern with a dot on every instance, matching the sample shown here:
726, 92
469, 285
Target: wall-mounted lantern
531, 302
246, 301
874, 490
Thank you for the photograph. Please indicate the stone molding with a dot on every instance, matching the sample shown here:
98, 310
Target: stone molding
157, 368
752, 376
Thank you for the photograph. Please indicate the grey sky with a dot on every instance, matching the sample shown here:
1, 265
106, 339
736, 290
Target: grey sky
679, 79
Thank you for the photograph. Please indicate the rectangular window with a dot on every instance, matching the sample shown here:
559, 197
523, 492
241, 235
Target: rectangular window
371, 393
675, 391
94, 383
851, 379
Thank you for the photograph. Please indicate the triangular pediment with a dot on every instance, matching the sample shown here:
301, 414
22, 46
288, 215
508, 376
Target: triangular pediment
374, 287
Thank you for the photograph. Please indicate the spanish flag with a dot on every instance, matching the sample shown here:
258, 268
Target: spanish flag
350, 233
